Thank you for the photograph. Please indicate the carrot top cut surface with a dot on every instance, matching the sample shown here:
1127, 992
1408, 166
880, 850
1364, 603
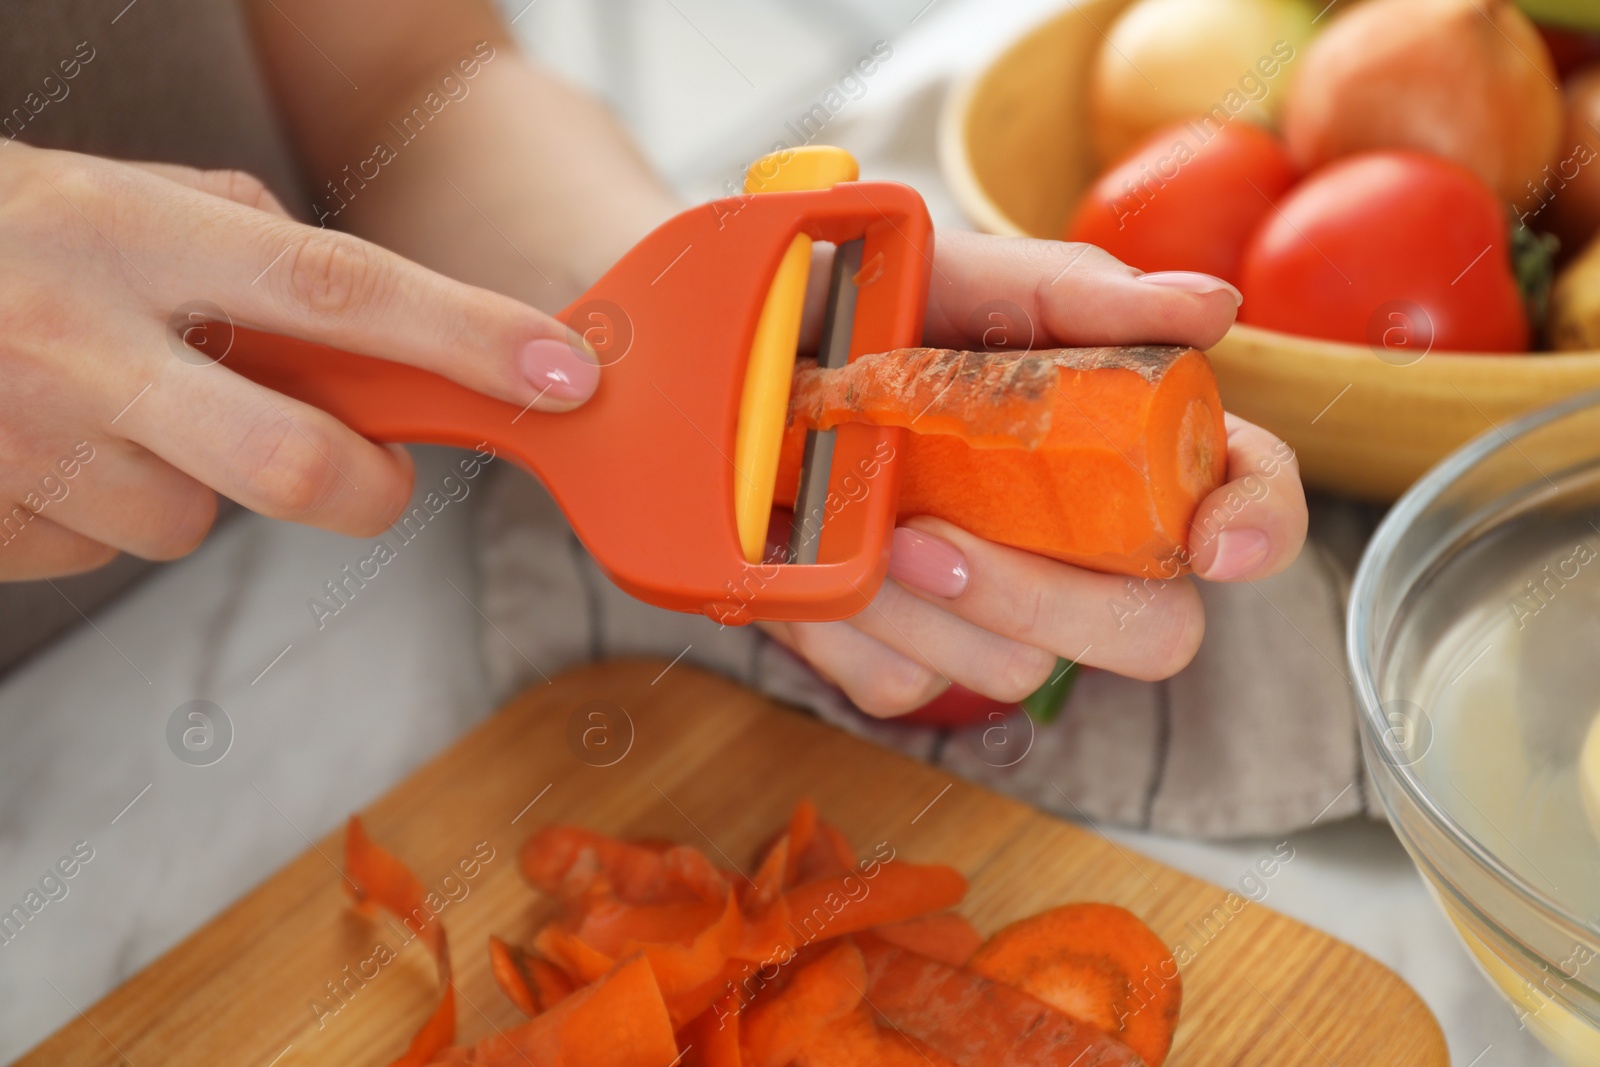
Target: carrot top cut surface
1097, 963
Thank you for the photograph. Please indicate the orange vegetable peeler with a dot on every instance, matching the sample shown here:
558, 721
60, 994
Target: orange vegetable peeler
667, 473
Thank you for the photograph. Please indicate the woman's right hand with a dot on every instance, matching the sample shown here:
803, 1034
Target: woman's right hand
111, 440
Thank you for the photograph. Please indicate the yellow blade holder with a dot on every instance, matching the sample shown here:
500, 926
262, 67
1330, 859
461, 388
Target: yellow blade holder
764, 403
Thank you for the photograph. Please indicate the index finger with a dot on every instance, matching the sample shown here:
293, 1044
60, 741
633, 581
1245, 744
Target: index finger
322, 285
1065, 294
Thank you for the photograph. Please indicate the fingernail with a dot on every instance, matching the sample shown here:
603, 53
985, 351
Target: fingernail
556, 370
927, 563
1238, 553
1192, 281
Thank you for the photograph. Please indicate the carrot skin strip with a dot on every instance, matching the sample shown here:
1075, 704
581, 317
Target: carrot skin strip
712, 1038
775, 1028
507, 964
849, 903
974, 1020
945, 936
858, 1041
618, 1021
581, 962
802, 826
377, 877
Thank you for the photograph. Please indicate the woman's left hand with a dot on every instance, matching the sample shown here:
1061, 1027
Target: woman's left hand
957, 608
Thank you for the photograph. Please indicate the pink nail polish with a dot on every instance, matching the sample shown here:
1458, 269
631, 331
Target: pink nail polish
1191, 281
557, 370
927, 563
1238, 553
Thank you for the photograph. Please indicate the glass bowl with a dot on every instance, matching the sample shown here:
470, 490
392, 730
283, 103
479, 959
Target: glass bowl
1474, 642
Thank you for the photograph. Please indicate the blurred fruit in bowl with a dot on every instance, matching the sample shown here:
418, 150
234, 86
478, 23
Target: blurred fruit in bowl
1570, 49
1400, 250
1566, 199
1168, 61
1469, 80
1575, 304
1188, 198
1018, 152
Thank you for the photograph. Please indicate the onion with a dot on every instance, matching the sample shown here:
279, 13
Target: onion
1167, 61
1470, 80
1566, 198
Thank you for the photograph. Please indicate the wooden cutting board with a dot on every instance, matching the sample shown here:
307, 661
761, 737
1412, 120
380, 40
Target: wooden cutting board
277, 980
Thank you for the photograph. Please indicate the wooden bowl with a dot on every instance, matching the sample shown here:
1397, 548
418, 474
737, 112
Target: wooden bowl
1015, 150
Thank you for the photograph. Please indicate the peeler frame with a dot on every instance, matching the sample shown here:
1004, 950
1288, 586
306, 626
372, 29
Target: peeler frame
643, 470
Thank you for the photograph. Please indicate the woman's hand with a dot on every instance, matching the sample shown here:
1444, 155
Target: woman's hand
994, 619
113, 435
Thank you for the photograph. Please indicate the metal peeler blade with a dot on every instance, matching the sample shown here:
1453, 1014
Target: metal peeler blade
805, 534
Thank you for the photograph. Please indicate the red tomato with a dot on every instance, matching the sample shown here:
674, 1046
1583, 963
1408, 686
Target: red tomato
956, 708
1186, 199
1399, 250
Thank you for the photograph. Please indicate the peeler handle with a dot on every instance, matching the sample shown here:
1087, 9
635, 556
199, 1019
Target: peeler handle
383, 401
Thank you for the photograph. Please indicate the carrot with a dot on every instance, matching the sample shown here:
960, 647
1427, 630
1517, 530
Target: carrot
576, 958
802, 827
376, 877
826, 854
848, 903
944, 936
1097, 963
618, 1021
611, 926
683, 969
821, 992
858, 1041
767, 931
1095, 456
568, 863
531, 984
508, 964
724, 988
975, 1020
712, 1038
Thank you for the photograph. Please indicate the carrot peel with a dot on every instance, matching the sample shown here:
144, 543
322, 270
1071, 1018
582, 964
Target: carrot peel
376, 876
